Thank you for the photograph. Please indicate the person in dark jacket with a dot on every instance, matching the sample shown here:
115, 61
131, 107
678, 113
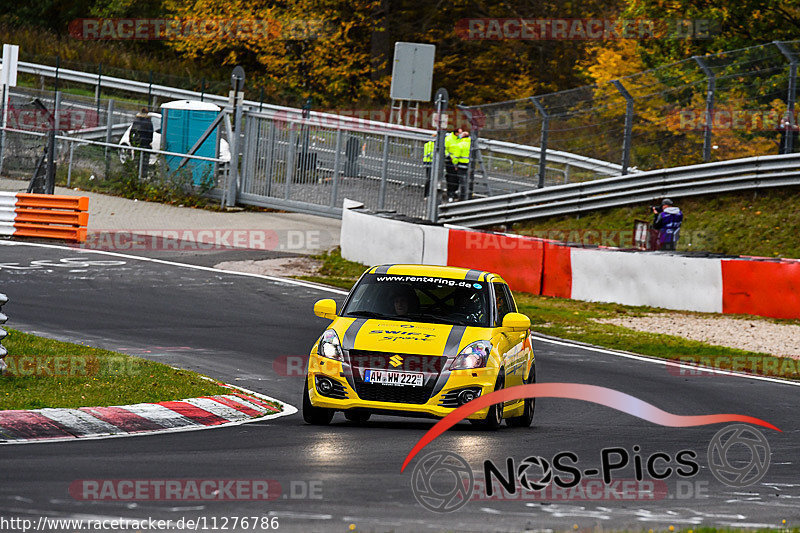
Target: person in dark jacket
668, 223
142, 137
142, 130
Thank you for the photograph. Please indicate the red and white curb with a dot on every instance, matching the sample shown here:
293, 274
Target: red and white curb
65, 425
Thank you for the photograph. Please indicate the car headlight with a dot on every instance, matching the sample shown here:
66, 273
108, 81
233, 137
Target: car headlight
329, 346
473, 356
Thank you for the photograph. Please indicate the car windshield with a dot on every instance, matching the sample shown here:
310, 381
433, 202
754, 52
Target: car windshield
420, 299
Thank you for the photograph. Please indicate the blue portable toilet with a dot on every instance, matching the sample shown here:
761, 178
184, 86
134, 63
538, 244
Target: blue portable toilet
182, 124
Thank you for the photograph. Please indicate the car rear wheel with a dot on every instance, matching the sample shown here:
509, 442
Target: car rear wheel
359, 417
495, 415
318, 416
526, 418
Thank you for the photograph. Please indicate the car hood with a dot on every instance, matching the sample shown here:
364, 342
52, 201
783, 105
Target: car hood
420, 338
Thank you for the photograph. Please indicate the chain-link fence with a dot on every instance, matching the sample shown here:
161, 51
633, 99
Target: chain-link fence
723, 106
285, 162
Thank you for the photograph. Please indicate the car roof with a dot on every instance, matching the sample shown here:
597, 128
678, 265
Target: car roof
448, 272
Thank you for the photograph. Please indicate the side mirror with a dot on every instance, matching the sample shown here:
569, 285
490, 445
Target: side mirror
516, 322
327, 309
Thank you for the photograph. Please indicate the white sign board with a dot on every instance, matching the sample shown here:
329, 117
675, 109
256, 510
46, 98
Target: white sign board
412, 71
8, 74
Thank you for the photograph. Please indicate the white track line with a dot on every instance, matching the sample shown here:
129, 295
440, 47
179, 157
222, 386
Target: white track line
288, 281
636, 357
664, 362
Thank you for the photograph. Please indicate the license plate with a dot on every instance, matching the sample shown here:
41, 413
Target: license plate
391, 377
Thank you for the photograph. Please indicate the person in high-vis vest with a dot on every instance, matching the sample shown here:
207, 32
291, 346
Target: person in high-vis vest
427, 162
461, 149
450, 153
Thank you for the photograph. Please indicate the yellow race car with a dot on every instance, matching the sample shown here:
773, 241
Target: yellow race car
418, 340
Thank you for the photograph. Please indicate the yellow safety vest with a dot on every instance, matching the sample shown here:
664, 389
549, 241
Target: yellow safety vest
427, 152
461, 151
450, 141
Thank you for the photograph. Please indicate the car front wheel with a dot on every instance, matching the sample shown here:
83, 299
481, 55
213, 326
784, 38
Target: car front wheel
318, 416
495, 415
526, 418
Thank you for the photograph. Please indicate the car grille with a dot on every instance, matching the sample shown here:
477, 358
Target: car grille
430, 365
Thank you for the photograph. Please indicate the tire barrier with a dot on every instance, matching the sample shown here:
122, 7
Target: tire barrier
44, 216
738, 285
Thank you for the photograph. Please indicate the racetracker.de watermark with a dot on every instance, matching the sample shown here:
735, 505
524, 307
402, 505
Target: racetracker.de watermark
146, 29
73, 366
726, 365
193, 490
730, 119
182, 240
572, 29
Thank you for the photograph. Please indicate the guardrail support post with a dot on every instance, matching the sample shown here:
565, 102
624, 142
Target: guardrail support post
788, 147
97, 88
543, 141
626, 142
712, 82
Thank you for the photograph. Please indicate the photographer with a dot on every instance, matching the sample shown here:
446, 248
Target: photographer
667, 221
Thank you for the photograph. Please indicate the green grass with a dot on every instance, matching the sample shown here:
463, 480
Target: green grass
575, 320
49, 373
760, 223
336, 271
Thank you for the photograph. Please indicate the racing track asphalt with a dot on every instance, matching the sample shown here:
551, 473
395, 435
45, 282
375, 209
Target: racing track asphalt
234, 328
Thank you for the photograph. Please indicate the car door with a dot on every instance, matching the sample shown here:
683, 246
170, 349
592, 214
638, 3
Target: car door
511, 346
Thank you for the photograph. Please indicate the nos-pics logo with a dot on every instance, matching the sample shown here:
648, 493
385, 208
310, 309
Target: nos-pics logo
738, 456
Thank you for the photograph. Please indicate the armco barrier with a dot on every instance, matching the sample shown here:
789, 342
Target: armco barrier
45, 216
755, 286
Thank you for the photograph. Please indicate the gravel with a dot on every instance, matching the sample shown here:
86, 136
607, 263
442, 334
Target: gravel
285, 266
746, 334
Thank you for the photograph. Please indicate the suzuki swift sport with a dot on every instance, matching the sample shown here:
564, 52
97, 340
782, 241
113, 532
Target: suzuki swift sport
417, 340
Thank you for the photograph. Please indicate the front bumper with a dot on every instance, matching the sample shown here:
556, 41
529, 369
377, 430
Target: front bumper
482, 378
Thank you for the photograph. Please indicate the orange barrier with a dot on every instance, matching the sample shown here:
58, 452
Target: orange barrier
517, 259
48, 216
764, 288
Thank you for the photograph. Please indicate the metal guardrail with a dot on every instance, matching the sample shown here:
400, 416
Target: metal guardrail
710, 178
315, 117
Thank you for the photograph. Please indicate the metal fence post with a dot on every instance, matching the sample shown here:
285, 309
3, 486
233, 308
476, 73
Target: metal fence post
712, 81
97, 89
437, 165
336, 160
50, 180
543, 141
109, 115
150, 91
270, 158
626, 142
3, 333
4, 112
384, 172
290, 160
788, 146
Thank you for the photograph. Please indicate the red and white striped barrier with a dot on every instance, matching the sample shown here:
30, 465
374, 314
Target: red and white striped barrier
48, 216
757, 286
18, 427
